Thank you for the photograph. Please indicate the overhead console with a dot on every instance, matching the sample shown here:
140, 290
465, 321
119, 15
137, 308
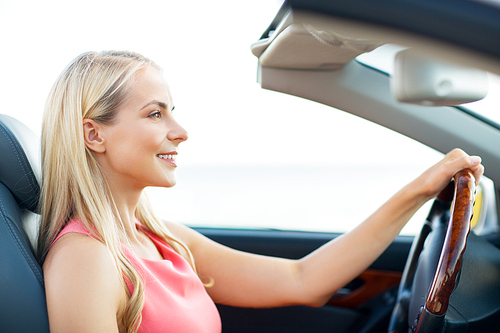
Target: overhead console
425, 74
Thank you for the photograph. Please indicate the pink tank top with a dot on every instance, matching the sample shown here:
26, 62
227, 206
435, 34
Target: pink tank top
175, 299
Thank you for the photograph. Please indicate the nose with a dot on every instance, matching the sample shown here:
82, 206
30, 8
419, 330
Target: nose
176, 132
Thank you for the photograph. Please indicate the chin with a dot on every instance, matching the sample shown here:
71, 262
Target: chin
170, 182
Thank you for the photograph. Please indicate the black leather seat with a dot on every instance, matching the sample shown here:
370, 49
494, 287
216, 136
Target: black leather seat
22, 295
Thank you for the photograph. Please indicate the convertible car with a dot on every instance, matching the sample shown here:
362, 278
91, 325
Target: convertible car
416, 67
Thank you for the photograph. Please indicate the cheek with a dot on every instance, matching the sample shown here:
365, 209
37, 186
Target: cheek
142, 145
150, 140
134, 144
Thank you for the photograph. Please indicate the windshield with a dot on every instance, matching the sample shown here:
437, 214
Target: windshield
488, 106
382, 59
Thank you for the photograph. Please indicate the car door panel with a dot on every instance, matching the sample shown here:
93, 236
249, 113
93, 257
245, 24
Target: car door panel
363, 305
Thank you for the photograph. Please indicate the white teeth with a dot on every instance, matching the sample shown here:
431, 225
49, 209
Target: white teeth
167, 157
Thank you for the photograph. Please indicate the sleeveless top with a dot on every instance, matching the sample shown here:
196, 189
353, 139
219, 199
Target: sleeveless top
175, 299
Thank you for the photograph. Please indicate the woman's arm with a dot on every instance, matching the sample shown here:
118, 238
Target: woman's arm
248, 280
83, 287
360, 247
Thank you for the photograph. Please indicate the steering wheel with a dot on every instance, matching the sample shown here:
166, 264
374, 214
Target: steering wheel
433, 265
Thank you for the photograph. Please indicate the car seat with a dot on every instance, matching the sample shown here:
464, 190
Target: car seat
22, 295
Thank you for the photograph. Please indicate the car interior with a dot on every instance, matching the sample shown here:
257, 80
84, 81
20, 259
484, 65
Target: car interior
323, 51
22, 293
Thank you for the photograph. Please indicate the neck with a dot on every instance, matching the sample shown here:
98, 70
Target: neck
126, 202
126, 192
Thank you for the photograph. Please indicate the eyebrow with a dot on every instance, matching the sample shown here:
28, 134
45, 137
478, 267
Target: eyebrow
160, 104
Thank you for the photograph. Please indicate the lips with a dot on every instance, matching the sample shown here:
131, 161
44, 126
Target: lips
168, 157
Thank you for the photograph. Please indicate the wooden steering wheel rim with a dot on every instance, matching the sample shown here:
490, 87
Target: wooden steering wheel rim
448, 260
454, 244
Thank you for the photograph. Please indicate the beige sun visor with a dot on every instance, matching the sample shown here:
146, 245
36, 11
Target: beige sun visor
307, 41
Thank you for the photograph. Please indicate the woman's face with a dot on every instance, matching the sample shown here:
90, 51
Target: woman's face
141, 143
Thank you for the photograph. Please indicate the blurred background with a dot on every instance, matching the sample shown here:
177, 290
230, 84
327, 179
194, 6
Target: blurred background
254, 158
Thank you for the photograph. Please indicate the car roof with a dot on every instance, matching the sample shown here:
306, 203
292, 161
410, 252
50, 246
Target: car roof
470, 24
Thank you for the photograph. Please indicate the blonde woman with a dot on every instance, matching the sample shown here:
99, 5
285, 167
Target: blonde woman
111, 266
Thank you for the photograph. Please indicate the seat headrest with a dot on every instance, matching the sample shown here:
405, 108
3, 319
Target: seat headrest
20, 162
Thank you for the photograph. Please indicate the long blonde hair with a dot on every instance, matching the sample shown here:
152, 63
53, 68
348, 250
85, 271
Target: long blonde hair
94, 86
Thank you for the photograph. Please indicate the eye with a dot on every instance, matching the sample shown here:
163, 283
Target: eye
155, 114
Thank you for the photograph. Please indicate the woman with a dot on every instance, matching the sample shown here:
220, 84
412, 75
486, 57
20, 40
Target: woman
111, 265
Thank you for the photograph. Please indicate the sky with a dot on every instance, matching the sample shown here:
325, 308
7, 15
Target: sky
204, 49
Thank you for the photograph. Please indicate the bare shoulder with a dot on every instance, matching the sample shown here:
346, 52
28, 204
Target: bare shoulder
187, 235
83, 286
77, 255
175, 227
71, 244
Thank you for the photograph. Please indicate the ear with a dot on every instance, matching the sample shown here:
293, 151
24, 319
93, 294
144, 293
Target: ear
92, 134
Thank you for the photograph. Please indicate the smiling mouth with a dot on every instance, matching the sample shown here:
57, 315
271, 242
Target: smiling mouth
167, 157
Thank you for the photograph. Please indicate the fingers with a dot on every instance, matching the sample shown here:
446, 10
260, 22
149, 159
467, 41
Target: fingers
436, 178
459, 160
478, 172
474, 160
474, 164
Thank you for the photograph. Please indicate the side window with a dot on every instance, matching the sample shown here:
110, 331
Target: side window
295, 165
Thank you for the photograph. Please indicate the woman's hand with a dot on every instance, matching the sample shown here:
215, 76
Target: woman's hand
435, 179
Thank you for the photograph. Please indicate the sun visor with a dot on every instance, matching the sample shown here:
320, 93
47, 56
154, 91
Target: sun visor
421, 80
308, 41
